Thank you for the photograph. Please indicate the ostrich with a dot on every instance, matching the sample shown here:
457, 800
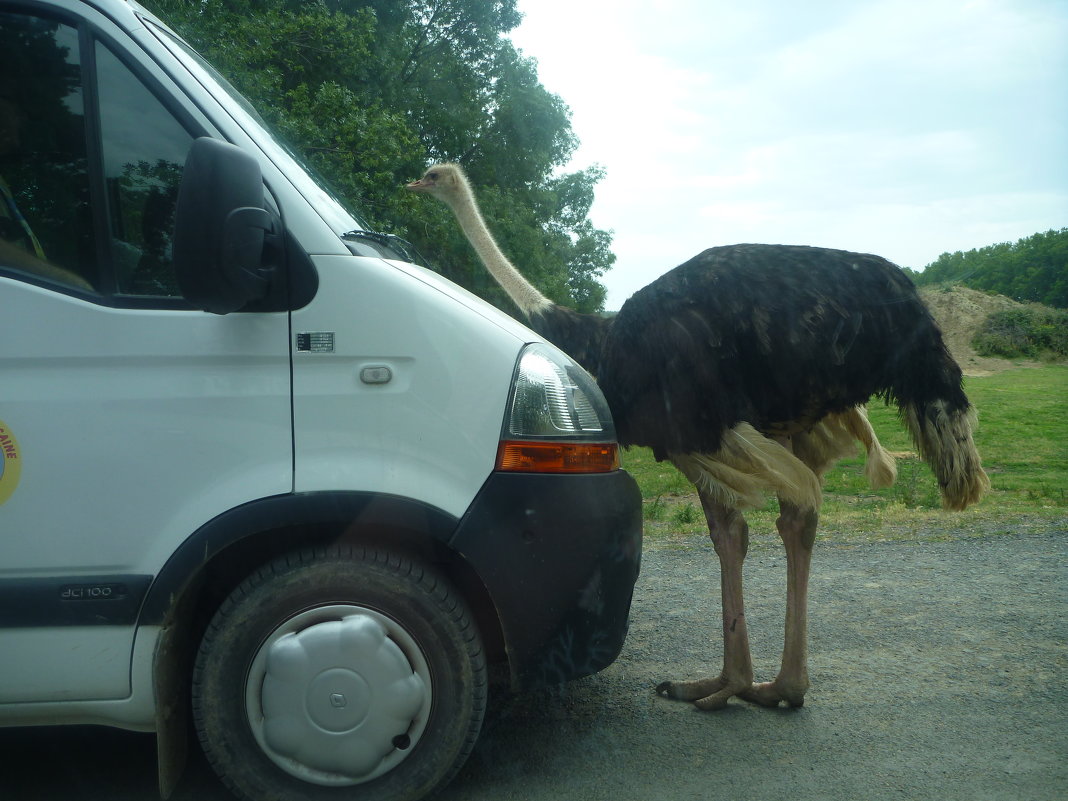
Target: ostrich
747, 367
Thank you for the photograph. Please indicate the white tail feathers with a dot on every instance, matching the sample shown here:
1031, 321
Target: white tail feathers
880, 467
746, 466
943, 439
749, 464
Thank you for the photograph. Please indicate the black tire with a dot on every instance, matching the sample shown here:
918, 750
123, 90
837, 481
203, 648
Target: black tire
312, 651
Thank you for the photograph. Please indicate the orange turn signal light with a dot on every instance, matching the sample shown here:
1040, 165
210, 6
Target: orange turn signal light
557, 457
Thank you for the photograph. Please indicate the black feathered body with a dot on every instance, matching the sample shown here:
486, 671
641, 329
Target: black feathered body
774, 335
581, 336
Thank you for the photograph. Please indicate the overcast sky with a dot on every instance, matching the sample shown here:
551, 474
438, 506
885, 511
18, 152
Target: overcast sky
906, 128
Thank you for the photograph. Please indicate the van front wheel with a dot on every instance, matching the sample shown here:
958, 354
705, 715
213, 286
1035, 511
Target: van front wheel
341, 673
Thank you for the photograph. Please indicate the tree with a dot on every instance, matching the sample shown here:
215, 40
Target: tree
372, 91
1034, 269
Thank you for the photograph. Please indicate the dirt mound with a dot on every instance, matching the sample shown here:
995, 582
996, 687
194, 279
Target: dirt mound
960, 312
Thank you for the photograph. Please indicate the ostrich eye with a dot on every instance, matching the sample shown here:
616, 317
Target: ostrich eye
433, 176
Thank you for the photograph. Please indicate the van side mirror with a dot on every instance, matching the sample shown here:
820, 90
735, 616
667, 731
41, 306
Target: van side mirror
220, 226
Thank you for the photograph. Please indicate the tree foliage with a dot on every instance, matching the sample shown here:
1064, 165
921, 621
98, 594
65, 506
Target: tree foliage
1034, 269
372, 91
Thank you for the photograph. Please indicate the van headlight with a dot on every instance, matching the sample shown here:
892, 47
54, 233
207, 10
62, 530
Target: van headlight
557, 419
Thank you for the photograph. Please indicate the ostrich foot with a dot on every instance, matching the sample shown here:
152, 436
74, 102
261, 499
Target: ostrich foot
770, 693
706, 694
712, 694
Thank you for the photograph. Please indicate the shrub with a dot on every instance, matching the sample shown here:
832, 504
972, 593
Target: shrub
1026, 332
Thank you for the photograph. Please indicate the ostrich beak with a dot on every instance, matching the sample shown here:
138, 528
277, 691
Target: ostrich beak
417, 186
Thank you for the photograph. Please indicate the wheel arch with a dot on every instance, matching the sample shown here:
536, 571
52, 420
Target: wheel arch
218, 556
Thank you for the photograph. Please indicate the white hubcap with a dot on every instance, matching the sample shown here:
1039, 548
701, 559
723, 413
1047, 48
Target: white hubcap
338, 695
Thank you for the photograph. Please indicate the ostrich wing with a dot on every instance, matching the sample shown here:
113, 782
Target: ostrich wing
774, 335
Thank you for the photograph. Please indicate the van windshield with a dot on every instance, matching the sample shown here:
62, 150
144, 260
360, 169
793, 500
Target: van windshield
340, 217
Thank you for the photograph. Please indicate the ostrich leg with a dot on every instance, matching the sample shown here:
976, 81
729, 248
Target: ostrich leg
730, 536
797, 527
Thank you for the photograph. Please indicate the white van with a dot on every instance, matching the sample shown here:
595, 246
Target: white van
260, 475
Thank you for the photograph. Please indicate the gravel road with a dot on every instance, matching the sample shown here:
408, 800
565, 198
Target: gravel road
938, 670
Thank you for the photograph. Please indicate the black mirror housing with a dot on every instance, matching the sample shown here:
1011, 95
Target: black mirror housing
220, 228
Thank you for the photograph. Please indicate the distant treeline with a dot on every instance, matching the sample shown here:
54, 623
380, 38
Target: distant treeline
1031, 270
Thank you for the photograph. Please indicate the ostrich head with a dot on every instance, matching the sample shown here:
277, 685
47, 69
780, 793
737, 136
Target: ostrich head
581, 335
446, 182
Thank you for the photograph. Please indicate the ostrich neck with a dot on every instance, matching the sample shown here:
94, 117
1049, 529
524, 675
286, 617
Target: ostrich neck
522, 292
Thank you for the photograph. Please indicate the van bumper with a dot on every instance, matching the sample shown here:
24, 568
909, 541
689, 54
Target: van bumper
559, 556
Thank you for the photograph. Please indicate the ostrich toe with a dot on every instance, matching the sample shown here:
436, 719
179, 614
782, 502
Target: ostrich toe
713, 694
706, 694
770, 693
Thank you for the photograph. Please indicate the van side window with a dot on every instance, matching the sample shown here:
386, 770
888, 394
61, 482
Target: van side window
87, 195
46, 228
144, 150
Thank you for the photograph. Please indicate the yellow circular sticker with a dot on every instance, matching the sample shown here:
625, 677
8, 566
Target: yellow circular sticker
10, 462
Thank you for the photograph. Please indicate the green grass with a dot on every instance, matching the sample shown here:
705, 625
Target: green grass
1022, 437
